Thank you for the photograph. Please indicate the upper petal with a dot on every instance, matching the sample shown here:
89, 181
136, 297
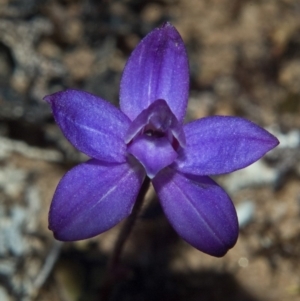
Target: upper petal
93, 197
156, 69
91, 124
222, 144
199, 210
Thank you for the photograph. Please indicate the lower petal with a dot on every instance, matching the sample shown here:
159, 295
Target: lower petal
199, 210
92, 198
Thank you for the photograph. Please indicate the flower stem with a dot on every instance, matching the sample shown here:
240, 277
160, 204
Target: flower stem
113, 262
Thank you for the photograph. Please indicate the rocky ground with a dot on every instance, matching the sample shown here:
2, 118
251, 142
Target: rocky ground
244, 60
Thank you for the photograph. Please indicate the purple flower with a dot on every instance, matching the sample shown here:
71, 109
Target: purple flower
147, 137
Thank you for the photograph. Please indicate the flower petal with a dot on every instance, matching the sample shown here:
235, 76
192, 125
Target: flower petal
199, 210
156, 69
222, 144
91, 124
153, 153
93, 197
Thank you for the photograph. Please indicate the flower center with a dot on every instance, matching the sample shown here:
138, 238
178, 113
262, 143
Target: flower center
154, 133
154, 137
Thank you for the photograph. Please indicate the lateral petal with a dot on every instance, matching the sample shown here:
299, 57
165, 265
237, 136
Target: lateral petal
93, 197
221, 144
199, 210
91, 124
157, 69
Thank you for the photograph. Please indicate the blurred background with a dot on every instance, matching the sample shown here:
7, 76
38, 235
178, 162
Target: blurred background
244, 60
